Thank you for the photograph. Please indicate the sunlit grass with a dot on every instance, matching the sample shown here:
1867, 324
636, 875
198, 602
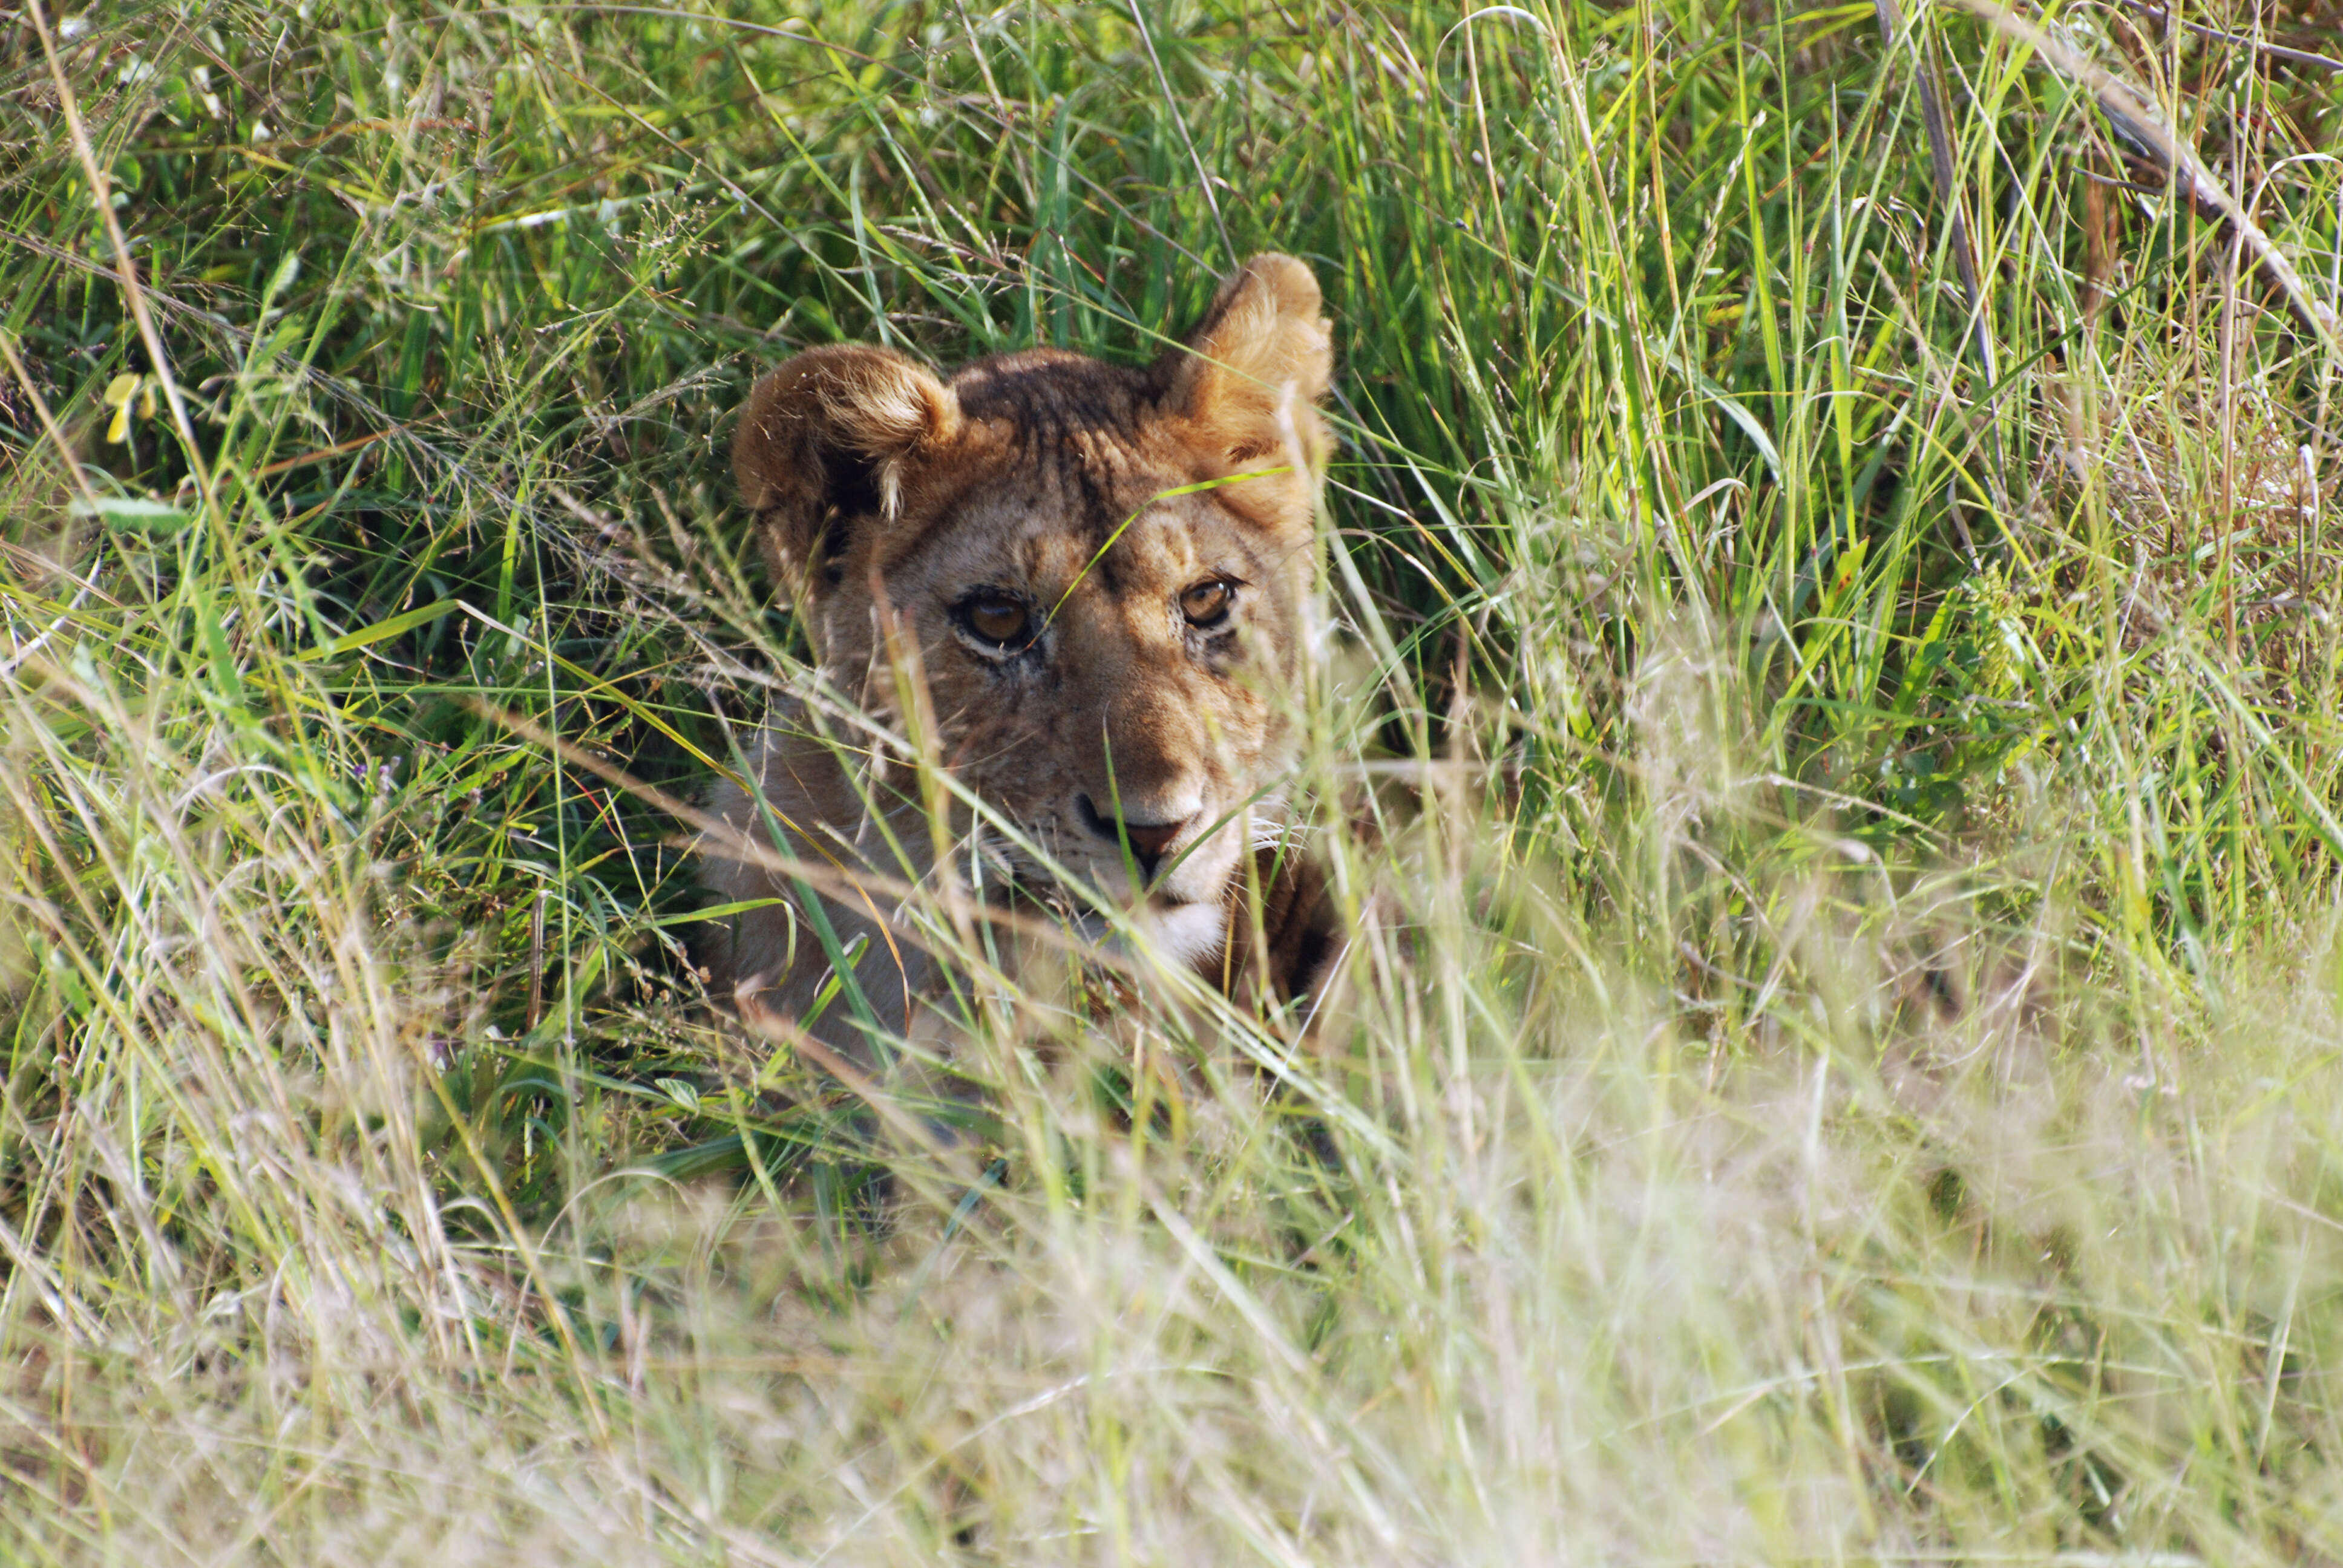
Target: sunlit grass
1841, 1059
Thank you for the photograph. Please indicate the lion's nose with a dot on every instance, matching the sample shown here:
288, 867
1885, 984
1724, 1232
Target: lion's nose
1148, 840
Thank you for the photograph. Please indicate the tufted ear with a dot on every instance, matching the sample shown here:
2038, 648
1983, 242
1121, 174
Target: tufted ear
1250, 377
821, 446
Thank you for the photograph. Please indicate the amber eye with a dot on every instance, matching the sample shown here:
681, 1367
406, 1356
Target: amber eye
1207, 604
996, 618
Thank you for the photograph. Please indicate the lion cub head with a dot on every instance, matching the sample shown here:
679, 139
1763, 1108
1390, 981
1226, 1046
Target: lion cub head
1105, 573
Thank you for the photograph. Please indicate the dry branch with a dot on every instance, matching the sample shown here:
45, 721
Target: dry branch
2137, 123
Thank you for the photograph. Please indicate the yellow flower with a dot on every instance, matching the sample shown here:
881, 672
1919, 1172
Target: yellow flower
118, 392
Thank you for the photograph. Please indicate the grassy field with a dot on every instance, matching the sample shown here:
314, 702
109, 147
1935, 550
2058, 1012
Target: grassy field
1849, 737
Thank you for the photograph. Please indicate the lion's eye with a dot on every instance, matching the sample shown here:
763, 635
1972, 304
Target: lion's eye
997, 619
1207, 604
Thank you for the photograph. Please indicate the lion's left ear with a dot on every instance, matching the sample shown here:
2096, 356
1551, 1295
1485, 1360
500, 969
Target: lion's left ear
1248, 378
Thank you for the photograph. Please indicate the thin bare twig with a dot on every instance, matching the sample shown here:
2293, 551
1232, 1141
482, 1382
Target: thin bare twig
1949, 188
2137, 125
1956, 235
101, 195
48, 420
2251, 41
1172, 104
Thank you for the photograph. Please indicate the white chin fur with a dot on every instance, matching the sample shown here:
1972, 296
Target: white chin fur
1187, 933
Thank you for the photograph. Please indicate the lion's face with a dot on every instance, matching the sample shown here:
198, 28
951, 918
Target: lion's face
1092, 583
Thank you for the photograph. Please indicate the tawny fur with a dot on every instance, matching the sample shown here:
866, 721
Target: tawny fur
886, 496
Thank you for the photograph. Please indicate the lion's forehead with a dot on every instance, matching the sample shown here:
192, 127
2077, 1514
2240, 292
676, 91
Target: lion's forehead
1028, 538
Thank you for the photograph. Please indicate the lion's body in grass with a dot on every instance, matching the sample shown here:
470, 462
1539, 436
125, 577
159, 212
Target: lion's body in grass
1083, 591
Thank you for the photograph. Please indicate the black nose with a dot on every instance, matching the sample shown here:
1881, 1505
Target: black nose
1148, 840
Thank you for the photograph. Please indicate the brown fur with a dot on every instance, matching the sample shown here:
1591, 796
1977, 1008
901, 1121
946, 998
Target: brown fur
885, 497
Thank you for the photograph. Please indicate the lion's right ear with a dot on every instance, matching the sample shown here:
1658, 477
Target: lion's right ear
821, 446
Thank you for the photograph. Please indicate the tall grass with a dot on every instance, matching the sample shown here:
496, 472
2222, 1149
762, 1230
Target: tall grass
1847, 1065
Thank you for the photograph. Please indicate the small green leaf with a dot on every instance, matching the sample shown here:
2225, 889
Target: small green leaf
852, 954
133, 511
381, 631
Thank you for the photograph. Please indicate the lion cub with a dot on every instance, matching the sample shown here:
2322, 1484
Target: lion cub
1090, 586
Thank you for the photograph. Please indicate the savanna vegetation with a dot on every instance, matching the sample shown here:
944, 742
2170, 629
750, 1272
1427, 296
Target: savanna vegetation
1835, 699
